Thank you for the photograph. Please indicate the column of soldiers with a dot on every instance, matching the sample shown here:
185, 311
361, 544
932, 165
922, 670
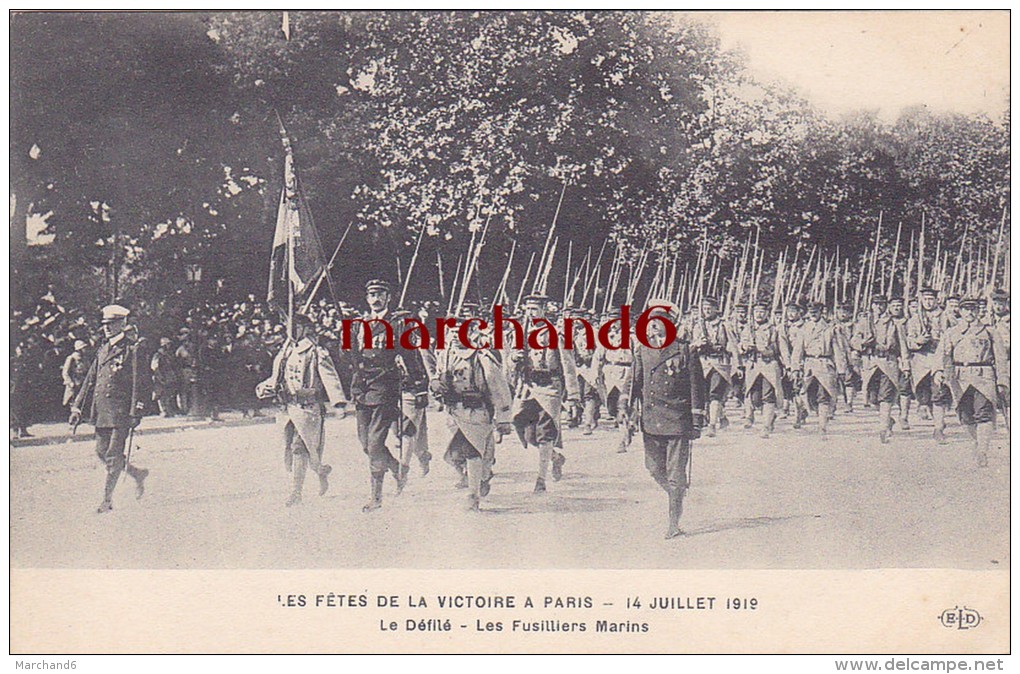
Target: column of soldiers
942, 358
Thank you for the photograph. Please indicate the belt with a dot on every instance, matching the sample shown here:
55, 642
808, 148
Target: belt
542, 378
981, 364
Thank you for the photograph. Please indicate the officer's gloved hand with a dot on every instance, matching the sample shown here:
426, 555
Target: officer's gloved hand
505, 428
421, 400
938, 379
75, 419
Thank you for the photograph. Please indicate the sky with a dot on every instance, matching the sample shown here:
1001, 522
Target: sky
880, 60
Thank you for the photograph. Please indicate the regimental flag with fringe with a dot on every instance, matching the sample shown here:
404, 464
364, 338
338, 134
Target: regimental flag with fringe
297, 253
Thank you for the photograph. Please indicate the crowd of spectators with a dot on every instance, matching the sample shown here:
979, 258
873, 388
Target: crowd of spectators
202, 360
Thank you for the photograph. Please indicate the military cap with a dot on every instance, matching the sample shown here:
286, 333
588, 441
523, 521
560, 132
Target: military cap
927, 290
762, 304
953, 297
709, 301
740, 305
879, 299
79, 345
377, 284
113, 312
845, 305
820, 306
794, 304
970, 303
1000, 295
536, 298
897, 298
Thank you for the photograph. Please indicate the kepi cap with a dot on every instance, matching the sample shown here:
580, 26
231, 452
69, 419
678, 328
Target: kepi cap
113, 312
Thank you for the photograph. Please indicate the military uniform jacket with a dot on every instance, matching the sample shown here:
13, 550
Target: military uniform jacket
614, 370
118, 386
670, 385
787, 336
547, 376
818, 352
305, 377
716, 345
973, 356
381, 373
761, 354
883, 347
1002, 329
923, 335
845, 332
474, 373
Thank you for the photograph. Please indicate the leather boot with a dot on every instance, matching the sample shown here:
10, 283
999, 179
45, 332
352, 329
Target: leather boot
139, 475
474, 471
939, 415
984, 442
111, 483
676, 509
769, 419
299, 468
885, 422
905, 413
324, 471
375, 502
557, 465
402, 474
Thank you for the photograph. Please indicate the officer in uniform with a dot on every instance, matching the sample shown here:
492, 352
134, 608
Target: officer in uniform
820, 363
718, 349
118, 403
379, 373
764, 374
304, 378
613, 372
896, 311
476, 397
924, 333
974, 364
884, 349
546, 379
73, 371
669, 386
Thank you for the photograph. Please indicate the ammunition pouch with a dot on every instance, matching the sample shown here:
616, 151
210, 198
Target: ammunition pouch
542, 377
470, 399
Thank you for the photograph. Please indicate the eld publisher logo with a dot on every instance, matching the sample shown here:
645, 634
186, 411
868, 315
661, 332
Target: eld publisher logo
960, 618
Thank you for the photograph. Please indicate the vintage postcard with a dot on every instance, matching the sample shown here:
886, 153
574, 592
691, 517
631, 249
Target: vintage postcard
511, 332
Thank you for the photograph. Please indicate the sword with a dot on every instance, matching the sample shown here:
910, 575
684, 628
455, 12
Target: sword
130, 444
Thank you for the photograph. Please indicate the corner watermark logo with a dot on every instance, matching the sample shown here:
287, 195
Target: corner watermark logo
960, 618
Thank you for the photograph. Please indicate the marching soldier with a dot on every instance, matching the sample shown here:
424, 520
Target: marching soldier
669, 386
375, 388
718, 349
471, 384
883, 347
1000, 308
845, 330
546, 379
764, 374
820, 364
413, 430
973, 363
118, 390
896, 311
304, 378
74, 370
923, 335
738, 323
613, 372
586, 413
788, 329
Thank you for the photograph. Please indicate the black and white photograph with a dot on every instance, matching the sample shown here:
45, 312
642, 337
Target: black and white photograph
455, 292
